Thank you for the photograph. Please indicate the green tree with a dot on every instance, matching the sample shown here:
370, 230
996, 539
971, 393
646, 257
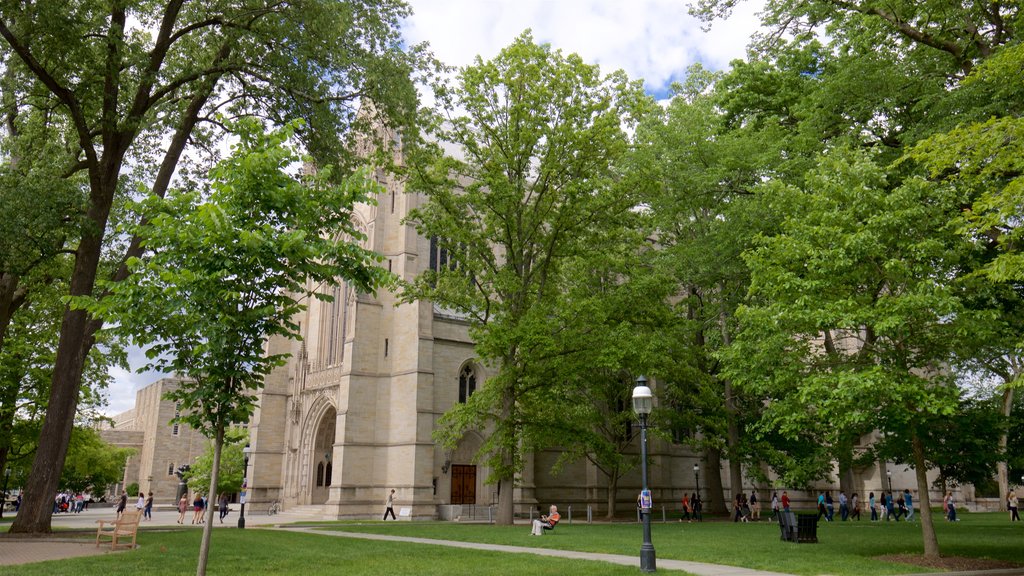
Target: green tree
92, 463
856, 319
232, 464
136, 83
536, 185
614, 323
703, 173
982, 160
226, 273
26, 368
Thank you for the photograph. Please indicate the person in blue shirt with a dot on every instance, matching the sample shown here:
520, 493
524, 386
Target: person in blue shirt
909, 501
871, 502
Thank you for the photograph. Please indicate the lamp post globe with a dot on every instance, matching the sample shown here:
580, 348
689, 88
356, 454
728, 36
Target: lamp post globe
643, 403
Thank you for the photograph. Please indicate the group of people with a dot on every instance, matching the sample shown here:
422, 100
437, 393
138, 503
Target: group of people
746, 510
65, 502
692, 506
198, 507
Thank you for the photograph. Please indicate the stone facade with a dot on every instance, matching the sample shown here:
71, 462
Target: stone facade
161, 447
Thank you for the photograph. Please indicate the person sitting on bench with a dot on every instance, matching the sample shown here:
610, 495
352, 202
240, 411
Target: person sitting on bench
546, 522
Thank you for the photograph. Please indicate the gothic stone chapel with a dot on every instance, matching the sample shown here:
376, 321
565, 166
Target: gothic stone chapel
351, 415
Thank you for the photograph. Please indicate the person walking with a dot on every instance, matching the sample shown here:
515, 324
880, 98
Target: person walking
889, 507
697, 506
122, 503
908, 501
829, 505
389, 505
854, 507
222, 506
775, 505
197, 508
821, 507
844, 509
182, 507
686, 508
871, 503
755, 506
785, 501
1011, 505
140, 503
147, 512
950, 507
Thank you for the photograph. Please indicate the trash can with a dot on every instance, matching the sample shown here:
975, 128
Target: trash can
807, 528
787, 526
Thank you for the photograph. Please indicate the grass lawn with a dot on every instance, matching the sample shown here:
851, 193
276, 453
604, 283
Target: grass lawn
257, 552
844, 548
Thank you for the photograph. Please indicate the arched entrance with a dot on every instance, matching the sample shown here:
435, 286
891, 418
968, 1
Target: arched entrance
323, 451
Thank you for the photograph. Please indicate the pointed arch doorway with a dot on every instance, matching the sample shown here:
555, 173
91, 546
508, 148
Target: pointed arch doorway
323, 455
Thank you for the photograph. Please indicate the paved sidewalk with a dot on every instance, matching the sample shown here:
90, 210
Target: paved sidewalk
15, 549
698, 568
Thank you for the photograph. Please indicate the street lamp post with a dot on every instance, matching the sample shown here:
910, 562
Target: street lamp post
642, 404
696, 477
245, 485
888, 473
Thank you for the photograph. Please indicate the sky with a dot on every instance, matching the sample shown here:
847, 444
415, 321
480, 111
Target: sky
653, 40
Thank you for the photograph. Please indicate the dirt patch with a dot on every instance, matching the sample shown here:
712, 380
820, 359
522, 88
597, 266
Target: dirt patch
951, 563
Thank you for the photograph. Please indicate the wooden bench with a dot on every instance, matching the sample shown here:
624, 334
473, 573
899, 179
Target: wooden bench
120, 530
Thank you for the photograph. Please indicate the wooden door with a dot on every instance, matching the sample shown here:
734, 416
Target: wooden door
463, 484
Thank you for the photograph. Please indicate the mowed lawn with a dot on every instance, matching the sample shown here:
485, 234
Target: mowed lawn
256, 552
843, 548
849, 548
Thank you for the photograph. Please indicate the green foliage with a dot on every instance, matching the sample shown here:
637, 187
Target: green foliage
232, 464
92, 464
224, 275
536, 188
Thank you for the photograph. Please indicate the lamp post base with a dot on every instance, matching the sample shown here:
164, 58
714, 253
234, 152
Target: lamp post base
241, 517
647, 560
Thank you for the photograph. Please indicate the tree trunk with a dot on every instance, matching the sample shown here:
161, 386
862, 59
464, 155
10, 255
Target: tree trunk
72, 348
931, 542
715, 503
11, 298
844, 458
506, 487
1003, 473
731, 414
613, 492
211, 497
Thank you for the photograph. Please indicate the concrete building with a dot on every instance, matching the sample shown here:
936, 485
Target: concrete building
161, 446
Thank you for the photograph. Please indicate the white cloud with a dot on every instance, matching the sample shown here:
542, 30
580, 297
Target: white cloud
121, 392
655, 40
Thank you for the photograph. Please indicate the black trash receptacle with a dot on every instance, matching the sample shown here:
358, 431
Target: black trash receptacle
807, 528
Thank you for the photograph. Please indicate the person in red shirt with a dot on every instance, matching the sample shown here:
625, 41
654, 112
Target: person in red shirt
546, 522
785, 500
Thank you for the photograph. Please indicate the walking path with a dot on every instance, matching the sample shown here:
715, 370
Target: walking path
698, 568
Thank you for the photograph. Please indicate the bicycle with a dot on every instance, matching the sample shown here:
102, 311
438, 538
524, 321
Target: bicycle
275, 507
